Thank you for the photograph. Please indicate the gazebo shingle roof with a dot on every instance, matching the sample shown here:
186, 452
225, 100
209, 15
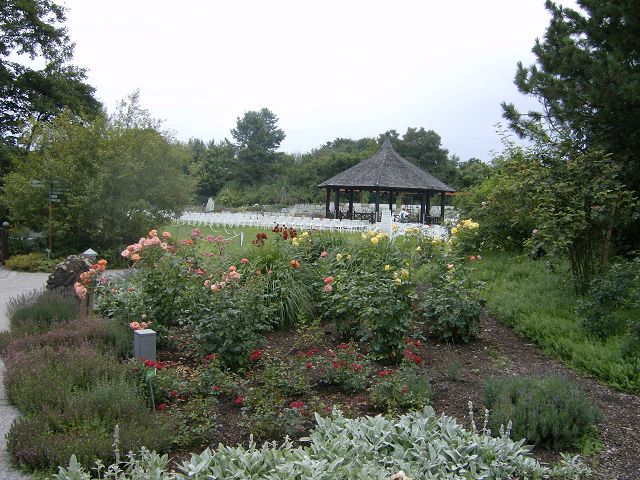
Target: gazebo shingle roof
387, 170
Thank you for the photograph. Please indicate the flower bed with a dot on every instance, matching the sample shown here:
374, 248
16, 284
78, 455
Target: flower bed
258, 342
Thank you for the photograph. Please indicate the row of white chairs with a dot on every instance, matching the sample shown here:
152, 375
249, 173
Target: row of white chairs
270, 220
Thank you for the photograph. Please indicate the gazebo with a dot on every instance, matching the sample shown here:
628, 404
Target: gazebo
385, 173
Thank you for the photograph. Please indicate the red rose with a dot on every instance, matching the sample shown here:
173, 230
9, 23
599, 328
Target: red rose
239, 400
162, 406
255, 355
297, 404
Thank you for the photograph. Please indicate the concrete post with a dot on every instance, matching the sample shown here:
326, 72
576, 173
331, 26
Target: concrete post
144, 344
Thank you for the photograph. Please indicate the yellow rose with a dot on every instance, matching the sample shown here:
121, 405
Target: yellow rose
404, 273
338, 256
295, 242
364, 236
454, 230
374, 240
305, 234
397, 281
371, 233
387, 267
418, 248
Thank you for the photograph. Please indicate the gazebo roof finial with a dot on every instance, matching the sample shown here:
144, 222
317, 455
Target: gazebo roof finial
387, 142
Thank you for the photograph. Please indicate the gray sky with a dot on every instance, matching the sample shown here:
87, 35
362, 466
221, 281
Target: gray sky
327, 68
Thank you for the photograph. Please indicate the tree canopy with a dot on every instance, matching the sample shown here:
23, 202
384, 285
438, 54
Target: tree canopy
33, 30
587, 79
257, 139
118, 176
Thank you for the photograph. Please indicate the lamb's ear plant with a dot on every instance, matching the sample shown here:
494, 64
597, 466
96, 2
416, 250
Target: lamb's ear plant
420, 444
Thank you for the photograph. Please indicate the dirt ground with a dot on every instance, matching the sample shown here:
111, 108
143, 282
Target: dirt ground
500, 351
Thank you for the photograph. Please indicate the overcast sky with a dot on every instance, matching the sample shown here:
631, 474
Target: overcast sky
327, 68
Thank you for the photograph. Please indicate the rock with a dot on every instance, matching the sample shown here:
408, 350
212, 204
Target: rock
66, 274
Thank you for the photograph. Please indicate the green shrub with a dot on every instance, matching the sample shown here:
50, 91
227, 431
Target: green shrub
230, 322
41, 442
105, 335
546, 411
404, 389
73, 396
38, 310
345, 367
193, 425
612, 300
30, 262
370, 297
451, 308
44, 377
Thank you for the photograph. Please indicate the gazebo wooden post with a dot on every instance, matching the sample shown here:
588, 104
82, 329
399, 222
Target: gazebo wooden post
442, 207
351, 204
391, 201
427, 205
338, 202
328, 202
377, 205
423, 202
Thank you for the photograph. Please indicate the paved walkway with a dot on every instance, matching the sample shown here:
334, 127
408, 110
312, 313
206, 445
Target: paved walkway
11, 285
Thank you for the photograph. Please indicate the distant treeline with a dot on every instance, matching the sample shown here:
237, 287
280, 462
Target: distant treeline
248, 170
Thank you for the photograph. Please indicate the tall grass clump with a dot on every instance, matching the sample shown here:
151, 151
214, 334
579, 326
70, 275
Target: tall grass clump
546, 411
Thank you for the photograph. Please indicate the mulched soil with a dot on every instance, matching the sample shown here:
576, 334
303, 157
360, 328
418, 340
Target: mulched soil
457, 375
500, 352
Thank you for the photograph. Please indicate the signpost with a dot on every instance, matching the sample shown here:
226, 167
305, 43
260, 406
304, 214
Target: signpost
56, 189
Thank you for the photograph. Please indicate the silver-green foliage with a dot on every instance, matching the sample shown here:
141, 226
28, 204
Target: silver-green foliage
373, 448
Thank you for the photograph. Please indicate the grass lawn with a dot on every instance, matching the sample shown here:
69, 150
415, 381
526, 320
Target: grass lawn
233, 235
540, 304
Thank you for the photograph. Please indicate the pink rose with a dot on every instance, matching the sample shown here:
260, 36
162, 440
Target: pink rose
328, 288
244, 260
